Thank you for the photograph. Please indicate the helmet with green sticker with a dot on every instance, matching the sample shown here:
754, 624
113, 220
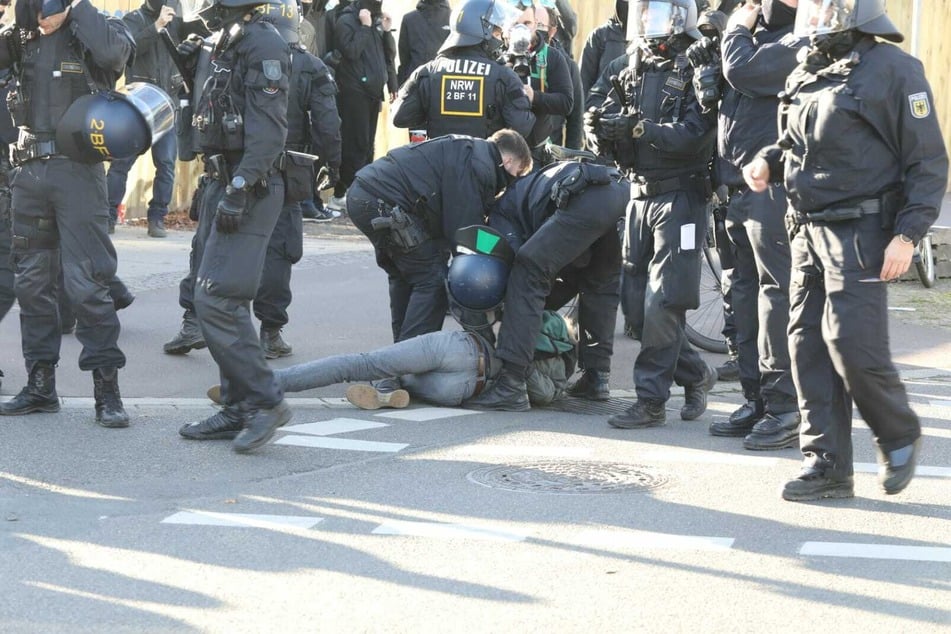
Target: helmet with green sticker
477, 276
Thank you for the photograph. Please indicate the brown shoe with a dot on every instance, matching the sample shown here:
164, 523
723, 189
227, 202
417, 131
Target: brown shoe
368, 397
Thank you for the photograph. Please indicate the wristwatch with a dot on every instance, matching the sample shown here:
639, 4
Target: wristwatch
905, 239
238, 183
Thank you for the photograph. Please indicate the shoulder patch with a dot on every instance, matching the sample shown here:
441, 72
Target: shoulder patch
272, 69
920, 106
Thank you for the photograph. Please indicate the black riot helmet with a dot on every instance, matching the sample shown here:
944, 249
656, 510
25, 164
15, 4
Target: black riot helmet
662, 19
816, 18
478, 276
217, 14
476, 21
285, 16
116, 124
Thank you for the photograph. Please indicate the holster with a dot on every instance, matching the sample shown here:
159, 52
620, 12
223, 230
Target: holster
406, 232
216, 167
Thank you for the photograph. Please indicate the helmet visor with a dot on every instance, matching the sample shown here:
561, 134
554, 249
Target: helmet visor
190, 9
655, 18
501, 15
819, 17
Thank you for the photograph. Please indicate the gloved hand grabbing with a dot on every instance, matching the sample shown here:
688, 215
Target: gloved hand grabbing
707, 84
327, 177
620, 127
189, 46
231, 210
702, 52
590, 119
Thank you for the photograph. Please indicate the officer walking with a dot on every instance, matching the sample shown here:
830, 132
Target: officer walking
865, 169
464, 90
562, 223
412, 200
60, 209
664, 142
759, 51
313, 126
152, 64
241, 124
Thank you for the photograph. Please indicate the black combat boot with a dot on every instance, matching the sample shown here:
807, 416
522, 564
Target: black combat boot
816, 483
730, 370
109, 410
695, 396
261, 426
189, 338
643, 413
273, 344
39, 395
774, 431
508, 394
593, 386
225, 424
896, 468
741, 421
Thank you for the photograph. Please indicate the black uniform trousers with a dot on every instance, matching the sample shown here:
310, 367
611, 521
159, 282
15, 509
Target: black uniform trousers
227, 277
661, 282
760, 296
358, 120
417, 278
7, 296
588, 222
838, 337
284, 249
61, 213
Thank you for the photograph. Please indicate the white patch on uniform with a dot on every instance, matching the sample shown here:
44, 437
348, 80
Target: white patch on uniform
920, 106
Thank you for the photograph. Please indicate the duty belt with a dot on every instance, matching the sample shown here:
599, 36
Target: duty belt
481, 365
643, 188
34, 150
839, 214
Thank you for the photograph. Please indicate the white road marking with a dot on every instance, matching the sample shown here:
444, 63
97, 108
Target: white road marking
333, 426
876, 551
210, 518
427, 413
450, 531
645, 540
344, 444
920, 470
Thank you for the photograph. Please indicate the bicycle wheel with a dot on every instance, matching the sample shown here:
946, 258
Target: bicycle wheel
705, 324
924, 261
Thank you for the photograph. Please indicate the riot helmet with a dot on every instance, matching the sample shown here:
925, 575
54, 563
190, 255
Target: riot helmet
816, 18
216, 14
477, 276
662, 19
285, 17
116, 124
480, 22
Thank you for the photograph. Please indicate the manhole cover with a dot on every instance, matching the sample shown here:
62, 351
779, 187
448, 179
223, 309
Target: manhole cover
569, 477
590, 408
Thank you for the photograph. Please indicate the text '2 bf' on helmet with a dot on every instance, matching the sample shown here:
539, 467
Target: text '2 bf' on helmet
118, 124
654, 19
476, 21
285, 17
824, 17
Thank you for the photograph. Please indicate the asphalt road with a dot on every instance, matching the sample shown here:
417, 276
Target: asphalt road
428, 520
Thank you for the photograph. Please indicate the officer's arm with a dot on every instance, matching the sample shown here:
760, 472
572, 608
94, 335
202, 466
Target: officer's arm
143, 32
265, 106
686, 137
351, 37
601, 95
409, 111
106, 43
558, 97
516, 109
758, 71
324, 119
591, 60
912, 125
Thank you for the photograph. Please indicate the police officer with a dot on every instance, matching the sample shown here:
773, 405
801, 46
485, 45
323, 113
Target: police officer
545, 73
759, 51
664, 142
562, 223
865, 167
60, 208
312, 126
422, 32
412, 200
241, 122
604, 44
464, 90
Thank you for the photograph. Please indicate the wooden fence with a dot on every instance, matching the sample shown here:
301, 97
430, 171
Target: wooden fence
929, 41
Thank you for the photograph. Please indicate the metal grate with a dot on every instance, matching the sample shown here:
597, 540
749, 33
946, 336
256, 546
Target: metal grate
570, 477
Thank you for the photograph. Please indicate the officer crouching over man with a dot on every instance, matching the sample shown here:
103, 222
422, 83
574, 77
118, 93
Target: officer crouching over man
865, 168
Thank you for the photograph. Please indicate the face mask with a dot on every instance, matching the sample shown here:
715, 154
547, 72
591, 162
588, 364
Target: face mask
542, 37
777, 14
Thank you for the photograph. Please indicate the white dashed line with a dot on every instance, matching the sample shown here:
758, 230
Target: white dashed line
209, 518
875, 551
427, 413
343, 444
450, 531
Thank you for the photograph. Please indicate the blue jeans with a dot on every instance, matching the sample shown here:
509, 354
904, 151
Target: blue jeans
438, 367
164, 152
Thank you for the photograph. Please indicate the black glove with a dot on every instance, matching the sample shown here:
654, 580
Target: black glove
620, 127
702, 52
327, 177
707, 81
590, 120
231, 209
189, 46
